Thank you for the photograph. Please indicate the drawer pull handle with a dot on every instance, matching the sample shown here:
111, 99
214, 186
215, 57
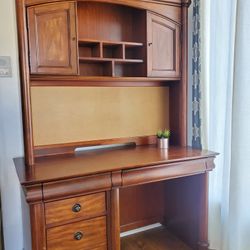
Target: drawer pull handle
78, 235
76, 208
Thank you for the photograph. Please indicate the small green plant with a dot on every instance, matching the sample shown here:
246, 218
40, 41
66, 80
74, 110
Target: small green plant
163, 134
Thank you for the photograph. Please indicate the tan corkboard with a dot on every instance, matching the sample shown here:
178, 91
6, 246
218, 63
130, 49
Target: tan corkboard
76, 114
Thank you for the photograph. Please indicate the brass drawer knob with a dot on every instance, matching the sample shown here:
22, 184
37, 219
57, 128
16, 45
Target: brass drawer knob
76, 208
78, 235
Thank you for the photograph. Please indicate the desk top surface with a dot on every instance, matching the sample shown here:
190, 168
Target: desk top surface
103, 161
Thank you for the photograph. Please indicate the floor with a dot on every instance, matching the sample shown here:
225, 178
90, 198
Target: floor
155, 239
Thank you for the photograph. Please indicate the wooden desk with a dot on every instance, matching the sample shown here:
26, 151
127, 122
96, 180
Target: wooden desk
106, 181
104, 72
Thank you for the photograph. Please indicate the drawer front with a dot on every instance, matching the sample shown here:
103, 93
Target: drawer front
80, 207
163, 172
84, 235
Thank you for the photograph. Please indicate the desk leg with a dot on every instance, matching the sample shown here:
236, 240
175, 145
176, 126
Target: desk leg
115, 219
37, 226
203, 230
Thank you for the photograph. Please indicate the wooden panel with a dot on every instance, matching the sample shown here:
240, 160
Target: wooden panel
73, 187
33, 193
52, 37
170, 9
141, 205
37, 222
189, 224
164, 172
25, 80
115, 219
103, 247
179, 92
73, 114
203, 243
38, 81
93, 231
88, 206
69, 148
163, 47
96, 20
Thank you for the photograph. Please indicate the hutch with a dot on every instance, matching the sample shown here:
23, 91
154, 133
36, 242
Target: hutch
109, 73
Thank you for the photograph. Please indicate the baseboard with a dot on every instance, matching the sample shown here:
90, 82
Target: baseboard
141, 229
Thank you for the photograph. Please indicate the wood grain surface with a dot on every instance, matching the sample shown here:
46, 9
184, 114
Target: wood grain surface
77, 186
100, 161
52, 39
170, 9
93, 231
61, 211
163, 47
137, 205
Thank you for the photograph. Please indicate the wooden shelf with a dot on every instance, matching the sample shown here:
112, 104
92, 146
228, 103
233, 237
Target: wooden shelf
51, 79
159, 238
105, 42
129, 61
110, 58
94, 59
98, 60
98, 81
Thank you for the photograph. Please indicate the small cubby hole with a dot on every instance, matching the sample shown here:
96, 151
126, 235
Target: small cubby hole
96, 69
133, 52
89, 49
112, 51
128, 69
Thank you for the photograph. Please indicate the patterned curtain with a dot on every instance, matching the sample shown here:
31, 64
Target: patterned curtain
196, 71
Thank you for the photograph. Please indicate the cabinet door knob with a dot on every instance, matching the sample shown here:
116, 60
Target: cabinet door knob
76, 208
78, 235
149, 44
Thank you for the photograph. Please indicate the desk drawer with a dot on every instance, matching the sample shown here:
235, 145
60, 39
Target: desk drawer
88, 206
83, 235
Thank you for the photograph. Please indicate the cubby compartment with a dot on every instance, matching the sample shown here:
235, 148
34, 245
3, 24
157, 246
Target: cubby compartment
112, 50
89, 48
134, 51
90, 67
128, 68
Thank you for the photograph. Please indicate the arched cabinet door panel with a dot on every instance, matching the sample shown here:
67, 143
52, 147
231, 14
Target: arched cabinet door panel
163, 38
52, 39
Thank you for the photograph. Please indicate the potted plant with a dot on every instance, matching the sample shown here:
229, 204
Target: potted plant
163, 138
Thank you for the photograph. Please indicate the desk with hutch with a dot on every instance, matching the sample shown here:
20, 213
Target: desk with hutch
109, 72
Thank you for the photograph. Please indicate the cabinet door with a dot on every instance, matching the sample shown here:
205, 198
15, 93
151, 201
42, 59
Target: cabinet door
163, 47
52, 39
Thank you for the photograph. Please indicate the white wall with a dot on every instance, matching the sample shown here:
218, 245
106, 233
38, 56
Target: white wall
11, 144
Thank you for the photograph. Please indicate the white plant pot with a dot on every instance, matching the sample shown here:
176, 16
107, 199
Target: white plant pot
163, 143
